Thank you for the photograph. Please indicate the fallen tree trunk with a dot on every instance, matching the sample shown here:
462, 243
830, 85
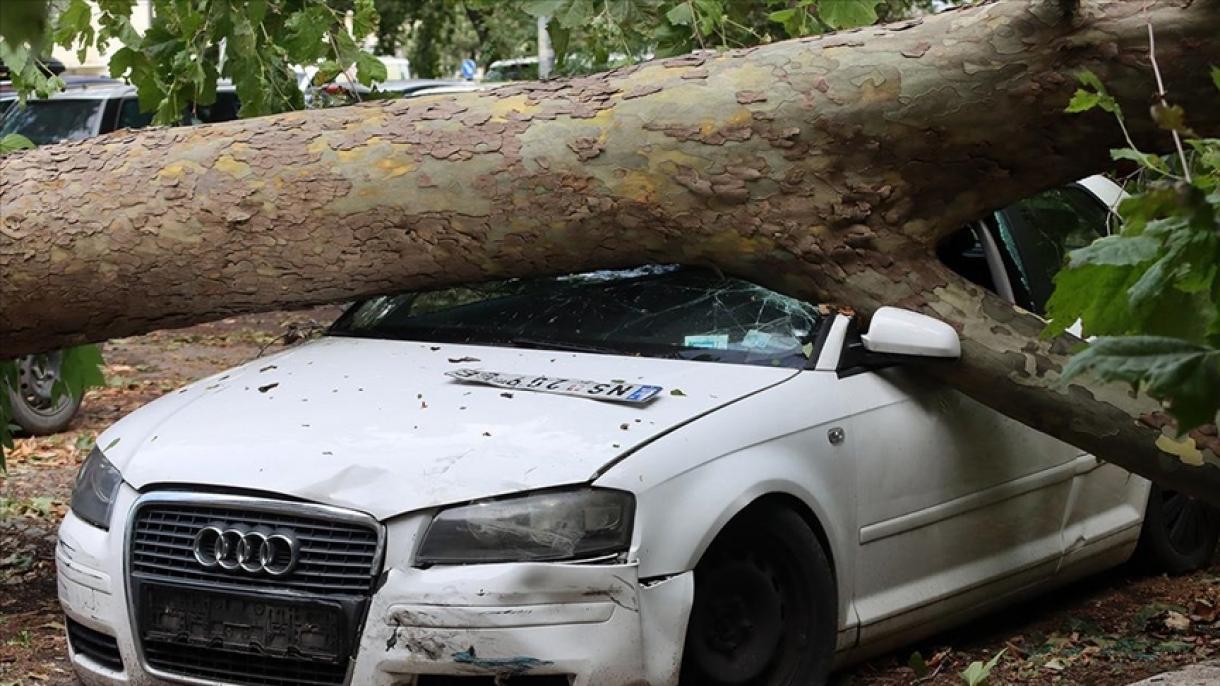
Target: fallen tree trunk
827, 168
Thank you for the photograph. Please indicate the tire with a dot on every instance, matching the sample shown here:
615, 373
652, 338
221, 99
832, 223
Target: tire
35, 409
1179, 533
765, 607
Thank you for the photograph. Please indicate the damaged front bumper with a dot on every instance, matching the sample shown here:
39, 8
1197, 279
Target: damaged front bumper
594, 623
515, 623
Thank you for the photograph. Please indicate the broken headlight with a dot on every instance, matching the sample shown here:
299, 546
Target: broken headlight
95, 489
556, 525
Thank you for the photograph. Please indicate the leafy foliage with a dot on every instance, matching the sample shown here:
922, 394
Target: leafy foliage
1151, 293
589, 35
191, 43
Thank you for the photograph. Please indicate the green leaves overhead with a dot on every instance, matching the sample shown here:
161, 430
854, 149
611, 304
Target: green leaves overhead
191, 43
1152, 291
595, 34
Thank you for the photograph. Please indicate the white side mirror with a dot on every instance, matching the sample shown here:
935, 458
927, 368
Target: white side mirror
897, 331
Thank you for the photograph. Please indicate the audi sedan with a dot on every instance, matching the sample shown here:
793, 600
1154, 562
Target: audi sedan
621, 477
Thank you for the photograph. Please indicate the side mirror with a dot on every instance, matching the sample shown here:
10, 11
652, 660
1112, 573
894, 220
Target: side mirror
895, 331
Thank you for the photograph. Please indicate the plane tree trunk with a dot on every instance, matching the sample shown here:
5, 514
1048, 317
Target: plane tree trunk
824, 167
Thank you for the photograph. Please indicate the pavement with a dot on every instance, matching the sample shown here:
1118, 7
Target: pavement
1202, 674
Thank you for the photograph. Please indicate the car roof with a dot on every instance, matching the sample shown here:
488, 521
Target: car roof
450, 88
97, 88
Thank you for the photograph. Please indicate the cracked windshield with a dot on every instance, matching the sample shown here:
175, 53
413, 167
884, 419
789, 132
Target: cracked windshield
660, 311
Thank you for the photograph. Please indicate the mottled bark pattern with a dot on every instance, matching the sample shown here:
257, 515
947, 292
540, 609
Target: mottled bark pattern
825, 167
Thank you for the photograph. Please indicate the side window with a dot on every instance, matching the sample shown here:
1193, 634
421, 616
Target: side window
130, 116
224, 109
1039, 232
963, 252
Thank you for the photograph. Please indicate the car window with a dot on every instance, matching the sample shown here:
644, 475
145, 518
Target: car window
1040, 231
963, 253
50, 121
223, 109
130, 116
656, 311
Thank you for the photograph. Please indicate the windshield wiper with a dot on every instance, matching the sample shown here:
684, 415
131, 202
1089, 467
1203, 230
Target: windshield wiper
563, 345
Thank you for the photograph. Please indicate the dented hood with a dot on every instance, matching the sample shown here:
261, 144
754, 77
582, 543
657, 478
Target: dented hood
376, 426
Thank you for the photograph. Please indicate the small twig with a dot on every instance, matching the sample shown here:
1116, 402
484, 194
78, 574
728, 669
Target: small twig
1160, 93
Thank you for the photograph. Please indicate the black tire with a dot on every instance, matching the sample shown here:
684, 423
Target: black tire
765, 608
1179, 533
35, 408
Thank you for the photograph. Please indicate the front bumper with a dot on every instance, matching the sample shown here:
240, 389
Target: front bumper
596, 624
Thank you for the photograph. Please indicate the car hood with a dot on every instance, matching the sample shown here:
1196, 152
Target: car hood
376, 426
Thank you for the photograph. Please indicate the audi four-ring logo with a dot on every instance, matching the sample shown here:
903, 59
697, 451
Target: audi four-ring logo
251, 550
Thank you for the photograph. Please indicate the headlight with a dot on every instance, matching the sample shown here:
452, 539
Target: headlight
557, 525
96, 485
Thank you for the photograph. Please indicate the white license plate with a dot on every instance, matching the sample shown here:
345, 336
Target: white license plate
610, 390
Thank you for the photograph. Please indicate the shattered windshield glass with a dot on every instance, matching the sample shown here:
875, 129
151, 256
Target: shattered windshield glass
654, 311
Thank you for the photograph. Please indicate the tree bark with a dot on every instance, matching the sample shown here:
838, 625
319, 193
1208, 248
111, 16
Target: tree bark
824, 167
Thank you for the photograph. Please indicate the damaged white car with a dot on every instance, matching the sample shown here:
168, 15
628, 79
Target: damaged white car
624, 477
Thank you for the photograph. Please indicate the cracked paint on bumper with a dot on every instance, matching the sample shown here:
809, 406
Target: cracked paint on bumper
597, 623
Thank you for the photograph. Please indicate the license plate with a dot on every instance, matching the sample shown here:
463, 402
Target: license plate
615, 391
242, 623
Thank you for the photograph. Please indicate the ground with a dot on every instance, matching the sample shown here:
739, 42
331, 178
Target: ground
1115, 628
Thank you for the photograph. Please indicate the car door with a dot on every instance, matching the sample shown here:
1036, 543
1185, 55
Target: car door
958, 505
1107, 502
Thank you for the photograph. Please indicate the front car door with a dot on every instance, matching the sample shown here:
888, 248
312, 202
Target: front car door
1107, 502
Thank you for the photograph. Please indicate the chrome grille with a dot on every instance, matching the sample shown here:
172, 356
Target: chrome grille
337, 557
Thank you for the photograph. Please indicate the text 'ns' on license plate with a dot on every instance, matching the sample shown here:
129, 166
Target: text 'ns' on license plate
597, 390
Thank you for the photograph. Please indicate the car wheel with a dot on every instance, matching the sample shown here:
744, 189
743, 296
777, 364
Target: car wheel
764, 612
1179, 533
35, 407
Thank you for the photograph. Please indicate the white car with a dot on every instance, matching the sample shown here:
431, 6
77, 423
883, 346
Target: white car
623, 477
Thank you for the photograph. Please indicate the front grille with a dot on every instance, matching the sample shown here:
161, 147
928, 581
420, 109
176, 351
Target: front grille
336, 557
242, 627
241, 667
94, 645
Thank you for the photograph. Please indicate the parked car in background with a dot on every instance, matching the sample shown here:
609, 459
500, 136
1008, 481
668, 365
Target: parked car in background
516, 69
345, 92
620, 477
88, 106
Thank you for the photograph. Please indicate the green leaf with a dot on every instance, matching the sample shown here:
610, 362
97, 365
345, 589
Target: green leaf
1083, 101
364, 19
848, 14
1096, 294
81, 369
12, 142
74, 23
1186, 375
122, 60
1145, 160
1216, 76
976, 674
1116, 250
369, 69
1171, 118
782, 16
305, 31
681, 14
23, 22
543, 8
918, 665
577, 14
